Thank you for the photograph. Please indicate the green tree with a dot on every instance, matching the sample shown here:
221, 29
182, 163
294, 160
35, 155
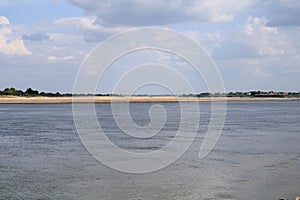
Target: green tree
12, 91
31, 92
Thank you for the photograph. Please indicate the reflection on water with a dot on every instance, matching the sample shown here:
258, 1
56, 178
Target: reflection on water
257, 156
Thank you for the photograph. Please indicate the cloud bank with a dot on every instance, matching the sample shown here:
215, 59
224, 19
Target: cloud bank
158, 12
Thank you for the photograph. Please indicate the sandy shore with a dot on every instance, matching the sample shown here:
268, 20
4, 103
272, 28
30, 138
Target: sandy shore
109, 99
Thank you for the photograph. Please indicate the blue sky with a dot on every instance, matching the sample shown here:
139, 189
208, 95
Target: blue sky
255, 43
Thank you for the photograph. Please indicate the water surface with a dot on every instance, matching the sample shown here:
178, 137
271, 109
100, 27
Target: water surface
257, 156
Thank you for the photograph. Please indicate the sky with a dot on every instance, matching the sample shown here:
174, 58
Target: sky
254, 43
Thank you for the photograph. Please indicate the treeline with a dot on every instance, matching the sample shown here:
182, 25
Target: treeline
29, 92
270, 94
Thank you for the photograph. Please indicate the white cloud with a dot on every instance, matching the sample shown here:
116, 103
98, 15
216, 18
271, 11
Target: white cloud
65, 44
266, 40
60, 47
259, 54
79, 22
56, 58
3, 20
253, 40
10, 46
157, 12
209, 40
91, 31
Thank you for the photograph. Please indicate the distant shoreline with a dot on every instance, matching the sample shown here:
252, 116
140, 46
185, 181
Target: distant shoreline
124, 99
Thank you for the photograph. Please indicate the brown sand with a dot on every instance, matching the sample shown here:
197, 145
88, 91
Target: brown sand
109, 99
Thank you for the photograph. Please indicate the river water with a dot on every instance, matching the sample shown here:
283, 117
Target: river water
256, 157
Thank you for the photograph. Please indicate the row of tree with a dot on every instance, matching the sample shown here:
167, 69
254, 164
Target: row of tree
30, 92
250, 94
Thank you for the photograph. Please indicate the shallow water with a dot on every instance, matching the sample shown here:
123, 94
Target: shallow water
256, 157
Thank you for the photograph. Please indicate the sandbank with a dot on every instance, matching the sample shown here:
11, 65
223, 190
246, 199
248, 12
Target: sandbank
123, 99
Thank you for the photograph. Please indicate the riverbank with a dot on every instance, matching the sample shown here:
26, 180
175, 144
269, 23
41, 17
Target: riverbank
122, 99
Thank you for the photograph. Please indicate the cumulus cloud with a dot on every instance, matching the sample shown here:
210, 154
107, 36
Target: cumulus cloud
254, 40
10, 46
158, 12
37, 36
107, 17
259, 52
3, 20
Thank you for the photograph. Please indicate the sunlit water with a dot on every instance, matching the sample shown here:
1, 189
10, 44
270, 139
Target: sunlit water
257, 156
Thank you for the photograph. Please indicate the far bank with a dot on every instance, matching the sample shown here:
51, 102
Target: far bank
125, 99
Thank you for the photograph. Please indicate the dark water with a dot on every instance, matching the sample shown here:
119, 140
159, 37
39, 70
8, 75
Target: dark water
257, 156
